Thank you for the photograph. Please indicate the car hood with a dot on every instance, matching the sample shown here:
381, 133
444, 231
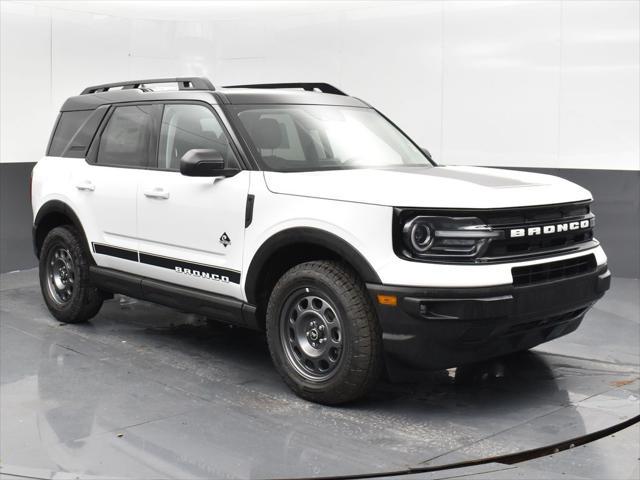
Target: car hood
431, 187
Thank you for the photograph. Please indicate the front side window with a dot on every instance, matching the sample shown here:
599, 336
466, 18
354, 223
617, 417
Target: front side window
126, 140
317, 137
187, 127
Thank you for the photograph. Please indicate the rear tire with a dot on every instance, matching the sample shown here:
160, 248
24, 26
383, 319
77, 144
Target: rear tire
323, 334
64, 277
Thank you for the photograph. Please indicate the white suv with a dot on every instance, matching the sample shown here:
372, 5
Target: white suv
310, 215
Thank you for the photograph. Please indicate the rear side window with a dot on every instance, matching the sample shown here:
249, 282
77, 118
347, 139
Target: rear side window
126, 140
68, 124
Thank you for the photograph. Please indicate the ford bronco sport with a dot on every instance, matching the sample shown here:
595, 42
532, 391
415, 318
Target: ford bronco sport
302, 211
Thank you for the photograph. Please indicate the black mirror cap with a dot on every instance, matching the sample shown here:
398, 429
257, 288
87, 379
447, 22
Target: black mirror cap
205, 162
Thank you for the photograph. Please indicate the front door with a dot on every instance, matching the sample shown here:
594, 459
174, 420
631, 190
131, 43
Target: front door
191, 229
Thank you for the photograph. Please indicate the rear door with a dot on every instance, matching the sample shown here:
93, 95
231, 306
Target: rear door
106, 185
191, 229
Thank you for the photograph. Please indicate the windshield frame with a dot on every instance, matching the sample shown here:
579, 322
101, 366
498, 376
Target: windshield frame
248, 145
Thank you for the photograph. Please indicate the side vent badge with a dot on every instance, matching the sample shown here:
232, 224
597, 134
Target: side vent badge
225, 240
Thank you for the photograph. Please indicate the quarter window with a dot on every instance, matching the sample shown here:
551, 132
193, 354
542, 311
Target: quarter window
187, 127
67, 127
126, 140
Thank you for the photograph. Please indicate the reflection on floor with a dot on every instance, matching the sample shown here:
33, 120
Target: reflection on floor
143, 391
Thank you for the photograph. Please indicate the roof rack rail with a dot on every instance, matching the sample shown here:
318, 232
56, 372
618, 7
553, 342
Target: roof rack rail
184, 83
308, 86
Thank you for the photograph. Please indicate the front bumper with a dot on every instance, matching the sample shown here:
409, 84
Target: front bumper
436, 328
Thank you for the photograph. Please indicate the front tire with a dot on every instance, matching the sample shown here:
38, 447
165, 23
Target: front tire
64, 277
323, 335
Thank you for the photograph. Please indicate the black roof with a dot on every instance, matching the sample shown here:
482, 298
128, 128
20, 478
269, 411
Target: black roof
201, 89
256, 96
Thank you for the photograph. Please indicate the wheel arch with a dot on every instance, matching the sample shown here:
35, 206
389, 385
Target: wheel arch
51, 214
296, 245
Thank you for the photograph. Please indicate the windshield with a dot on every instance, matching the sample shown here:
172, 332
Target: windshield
293, 138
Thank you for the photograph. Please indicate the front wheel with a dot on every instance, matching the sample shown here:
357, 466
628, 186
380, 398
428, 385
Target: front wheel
323, 334
64, 277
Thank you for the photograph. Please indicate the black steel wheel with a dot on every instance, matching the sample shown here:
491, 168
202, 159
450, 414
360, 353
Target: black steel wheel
64, 277
323, 334
60, 273
311, 335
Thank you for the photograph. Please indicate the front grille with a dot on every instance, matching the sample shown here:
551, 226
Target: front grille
531, 246
509, 247
546, 272
533, 215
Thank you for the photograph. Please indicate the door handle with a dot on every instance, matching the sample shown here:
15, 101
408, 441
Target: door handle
86, 185
157, 192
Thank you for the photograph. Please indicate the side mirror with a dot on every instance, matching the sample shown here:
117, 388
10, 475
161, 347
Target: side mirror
427, 153
203, 162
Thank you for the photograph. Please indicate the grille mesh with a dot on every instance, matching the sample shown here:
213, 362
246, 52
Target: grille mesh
546, 272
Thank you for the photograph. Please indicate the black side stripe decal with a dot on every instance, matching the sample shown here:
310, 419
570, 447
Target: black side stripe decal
180, 266
115, 252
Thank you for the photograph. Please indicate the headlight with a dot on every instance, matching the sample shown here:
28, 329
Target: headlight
420, 236
441, 237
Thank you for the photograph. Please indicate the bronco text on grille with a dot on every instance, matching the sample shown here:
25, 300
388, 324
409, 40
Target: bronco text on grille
540, 231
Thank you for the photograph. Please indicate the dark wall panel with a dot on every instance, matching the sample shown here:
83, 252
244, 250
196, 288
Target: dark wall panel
617, 207
16, 252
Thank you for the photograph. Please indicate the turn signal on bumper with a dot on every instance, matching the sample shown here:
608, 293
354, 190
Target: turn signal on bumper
389, 300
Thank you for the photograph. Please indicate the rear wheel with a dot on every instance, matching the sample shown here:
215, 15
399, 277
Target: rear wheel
64, 277
323, 335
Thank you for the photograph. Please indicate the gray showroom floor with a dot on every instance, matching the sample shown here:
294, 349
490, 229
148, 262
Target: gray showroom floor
146, 392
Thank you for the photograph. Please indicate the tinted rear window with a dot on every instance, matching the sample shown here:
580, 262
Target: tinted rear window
80, 142
67, 126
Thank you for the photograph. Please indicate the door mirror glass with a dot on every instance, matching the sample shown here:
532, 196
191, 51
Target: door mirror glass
205, 162
427, 153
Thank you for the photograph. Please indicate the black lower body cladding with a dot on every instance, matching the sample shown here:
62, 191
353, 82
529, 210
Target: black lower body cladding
436, 328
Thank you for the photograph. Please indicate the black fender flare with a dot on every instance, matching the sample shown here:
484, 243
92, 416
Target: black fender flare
56, 206
308, 235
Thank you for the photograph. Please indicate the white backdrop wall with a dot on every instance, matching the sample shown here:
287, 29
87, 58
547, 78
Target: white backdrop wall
505, 83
